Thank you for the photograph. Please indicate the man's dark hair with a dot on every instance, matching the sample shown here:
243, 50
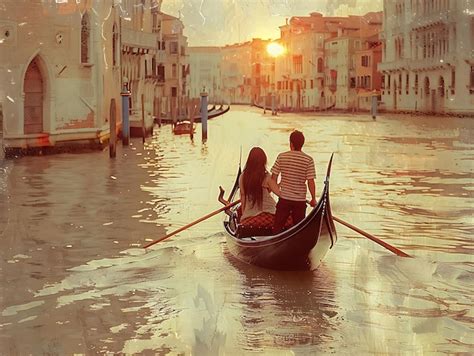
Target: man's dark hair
297, 140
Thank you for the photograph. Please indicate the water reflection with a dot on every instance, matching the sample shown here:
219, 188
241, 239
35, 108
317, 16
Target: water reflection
287, 310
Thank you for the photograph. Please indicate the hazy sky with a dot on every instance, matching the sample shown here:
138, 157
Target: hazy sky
220, 22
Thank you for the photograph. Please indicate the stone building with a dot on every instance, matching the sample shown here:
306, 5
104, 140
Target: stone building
428, 56
316, 72
176, 68
59, 72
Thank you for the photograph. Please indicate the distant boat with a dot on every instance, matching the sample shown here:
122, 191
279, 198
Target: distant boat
183, 128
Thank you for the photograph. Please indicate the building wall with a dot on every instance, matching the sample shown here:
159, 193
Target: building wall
236, 72
74, 96
428, 54
205, 72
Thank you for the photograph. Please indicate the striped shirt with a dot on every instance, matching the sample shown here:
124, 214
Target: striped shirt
296, 167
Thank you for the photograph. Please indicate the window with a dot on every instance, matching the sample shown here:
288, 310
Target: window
174, 92
416, 84
407, 84
472, 78
174, 47
298, 64
173, 71
153, 66
85, 38
400, 84
161, 73
320, 65
353, 82
453, 81
365, 61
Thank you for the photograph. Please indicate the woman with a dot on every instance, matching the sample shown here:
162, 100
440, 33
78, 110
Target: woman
256, 184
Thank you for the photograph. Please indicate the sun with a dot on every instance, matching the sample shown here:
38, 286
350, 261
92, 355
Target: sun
275, 49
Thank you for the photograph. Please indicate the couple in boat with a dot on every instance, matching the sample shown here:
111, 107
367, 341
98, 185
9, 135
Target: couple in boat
260, 214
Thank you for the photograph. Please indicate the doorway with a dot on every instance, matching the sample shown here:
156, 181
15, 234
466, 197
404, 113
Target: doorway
33, 105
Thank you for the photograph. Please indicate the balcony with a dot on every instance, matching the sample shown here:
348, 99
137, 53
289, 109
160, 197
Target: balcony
400, 64
431, 63
138, 39
159, 79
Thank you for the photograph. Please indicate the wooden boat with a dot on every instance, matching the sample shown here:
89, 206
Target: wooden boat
303, 246
183, 127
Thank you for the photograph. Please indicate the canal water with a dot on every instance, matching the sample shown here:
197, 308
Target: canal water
75, 279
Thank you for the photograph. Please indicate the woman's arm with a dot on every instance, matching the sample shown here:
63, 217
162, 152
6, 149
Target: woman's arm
272, 185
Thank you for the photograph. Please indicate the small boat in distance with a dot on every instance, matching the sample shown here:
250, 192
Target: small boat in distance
302, 246
183, 128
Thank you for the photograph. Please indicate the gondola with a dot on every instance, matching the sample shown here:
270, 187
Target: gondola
302, 246
183, 127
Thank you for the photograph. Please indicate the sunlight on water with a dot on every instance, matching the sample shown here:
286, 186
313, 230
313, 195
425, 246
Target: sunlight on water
73, 226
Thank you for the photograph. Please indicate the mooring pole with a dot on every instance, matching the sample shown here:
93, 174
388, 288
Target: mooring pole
125, 116
113, 128
204, 114
143, 118
374, 106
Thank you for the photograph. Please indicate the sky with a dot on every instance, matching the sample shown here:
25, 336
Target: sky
221, 22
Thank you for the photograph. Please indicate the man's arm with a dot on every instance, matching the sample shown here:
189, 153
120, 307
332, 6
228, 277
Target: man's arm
312, 190
276, 170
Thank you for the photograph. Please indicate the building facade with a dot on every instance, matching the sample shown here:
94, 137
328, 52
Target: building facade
205, 72
236, 72
317, 70
428, 56
175, 45
58, 72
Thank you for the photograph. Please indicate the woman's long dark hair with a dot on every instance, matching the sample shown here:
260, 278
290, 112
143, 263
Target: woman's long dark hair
253, 176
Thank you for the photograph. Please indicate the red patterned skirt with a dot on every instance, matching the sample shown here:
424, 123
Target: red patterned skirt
259, 225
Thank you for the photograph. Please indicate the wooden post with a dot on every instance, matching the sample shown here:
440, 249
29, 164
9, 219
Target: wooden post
125, 116
113, 128
158, 104
204, 115
143, 118
374, 106
193, 108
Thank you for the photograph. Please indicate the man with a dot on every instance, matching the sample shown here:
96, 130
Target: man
297, 170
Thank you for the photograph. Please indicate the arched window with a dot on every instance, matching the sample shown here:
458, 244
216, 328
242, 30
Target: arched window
85, 38
320, 65
115, 49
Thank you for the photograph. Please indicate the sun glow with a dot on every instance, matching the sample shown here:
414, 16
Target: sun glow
275, 49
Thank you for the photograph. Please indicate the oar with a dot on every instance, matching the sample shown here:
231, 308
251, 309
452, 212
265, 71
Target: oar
382, 243
193, 223
373, 238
